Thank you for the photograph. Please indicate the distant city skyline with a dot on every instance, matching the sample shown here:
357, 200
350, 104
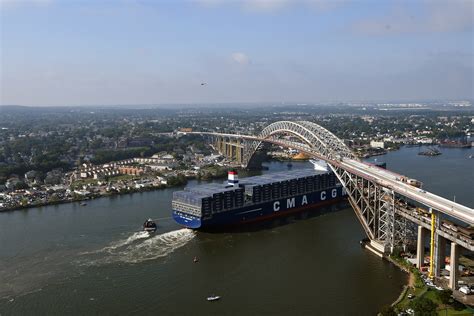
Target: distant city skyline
55, 52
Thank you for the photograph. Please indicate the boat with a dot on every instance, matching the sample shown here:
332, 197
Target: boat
149, 226
430, 152
215, 206
213, 298
195, 260
83, 204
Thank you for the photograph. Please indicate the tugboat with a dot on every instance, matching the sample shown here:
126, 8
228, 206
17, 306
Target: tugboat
149, 226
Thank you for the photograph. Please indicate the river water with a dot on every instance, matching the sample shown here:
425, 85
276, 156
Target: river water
70, 259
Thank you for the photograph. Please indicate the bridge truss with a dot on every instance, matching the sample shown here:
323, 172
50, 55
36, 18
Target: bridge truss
376, 195
373, 204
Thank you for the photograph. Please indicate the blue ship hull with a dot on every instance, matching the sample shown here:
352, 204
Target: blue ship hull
262, 211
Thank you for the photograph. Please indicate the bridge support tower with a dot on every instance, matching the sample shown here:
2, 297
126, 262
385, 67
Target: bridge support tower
454, 263
420, 247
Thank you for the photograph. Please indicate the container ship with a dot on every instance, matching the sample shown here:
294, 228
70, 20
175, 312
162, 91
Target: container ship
214, 205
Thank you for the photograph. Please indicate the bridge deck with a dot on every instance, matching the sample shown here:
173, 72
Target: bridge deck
393, 181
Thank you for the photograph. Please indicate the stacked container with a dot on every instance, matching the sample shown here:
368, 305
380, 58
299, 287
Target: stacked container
214, 197
284, 188
293, 187
301, 184
228, 199
266, 192
276, 190
218, 199
239, 197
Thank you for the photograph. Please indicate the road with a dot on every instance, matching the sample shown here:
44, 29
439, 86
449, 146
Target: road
392, 181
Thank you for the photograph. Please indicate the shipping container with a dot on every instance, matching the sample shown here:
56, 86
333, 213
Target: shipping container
216, 197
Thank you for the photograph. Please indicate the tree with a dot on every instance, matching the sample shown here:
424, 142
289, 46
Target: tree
444, 296
21, 185
387, 310
458, 306
424, 307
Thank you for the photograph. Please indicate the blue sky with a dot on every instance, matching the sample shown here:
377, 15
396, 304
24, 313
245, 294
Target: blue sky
58, 52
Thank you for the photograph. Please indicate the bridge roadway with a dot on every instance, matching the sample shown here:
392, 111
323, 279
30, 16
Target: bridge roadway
378, 175
393, 181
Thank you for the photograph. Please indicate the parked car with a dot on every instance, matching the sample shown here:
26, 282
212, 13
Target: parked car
465, 290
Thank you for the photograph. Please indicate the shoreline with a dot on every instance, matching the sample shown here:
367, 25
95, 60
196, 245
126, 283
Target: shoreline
110, 194
92, 197
411, 275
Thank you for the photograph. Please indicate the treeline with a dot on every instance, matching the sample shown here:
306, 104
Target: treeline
162, 144
44, 164
180, 179
106, 155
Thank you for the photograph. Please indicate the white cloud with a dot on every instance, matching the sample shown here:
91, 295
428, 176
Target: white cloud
240, 58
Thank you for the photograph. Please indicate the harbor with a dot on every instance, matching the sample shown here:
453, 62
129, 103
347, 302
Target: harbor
97, 259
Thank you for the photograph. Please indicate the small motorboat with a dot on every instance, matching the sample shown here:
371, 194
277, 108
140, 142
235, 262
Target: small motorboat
83, 204
195, 260
149, 226
213, 298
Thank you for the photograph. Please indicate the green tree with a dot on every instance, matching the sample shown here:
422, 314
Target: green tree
387, 310
458, 306
21, 186
444, 296
424, 307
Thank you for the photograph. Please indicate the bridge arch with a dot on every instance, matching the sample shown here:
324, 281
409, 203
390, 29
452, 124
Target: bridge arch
319, 139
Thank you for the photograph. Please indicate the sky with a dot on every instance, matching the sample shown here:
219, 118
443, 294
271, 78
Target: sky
126, 52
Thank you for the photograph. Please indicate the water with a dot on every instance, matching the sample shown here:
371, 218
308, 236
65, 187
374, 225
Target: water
69, 259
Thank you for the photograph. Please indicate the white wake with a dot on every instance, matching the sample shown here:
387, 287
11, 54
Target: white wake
140, 247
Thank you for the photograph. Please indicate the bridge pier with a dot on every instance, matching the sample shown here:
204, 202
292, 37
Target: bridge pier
420, 247
454, 263
440, 254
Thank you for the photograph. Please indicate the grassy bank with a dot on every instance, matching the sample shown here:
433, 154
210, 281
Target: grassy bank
422, 299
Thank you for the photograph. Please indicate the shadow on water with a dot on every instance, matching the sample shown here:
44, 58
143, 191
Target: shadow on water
273, 223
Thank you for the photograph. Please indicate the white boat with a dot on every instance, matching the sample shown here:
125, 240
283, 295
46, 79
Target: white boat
213, 298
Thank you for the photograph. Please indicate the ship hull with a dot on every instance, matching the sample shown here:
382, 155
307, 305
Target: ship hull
263, 211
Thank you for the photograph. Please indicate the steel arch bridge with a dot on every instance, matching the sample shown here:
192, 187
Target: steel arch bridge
325, 143
367, 199
379, 197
